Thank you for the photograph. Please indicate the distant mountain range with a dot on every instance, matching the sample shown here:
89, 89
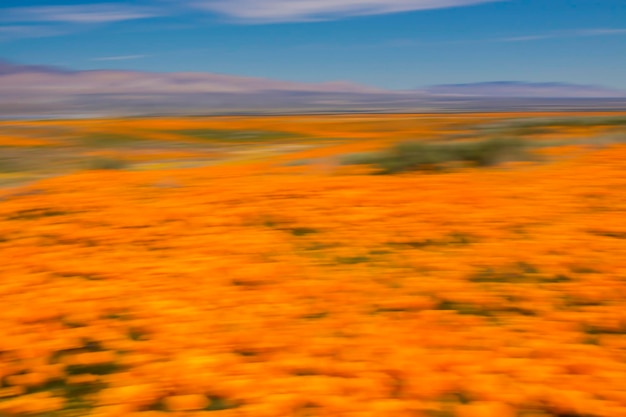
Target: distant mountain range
42, 90
525, 89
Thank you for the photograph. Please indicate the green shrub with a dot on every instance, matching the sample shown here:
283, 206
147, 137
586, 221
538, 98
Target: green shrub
605, 140
492, 151
100, 163
544, 124
411, 156
298, 163
229, 135
109, 140
363, 158
9, 165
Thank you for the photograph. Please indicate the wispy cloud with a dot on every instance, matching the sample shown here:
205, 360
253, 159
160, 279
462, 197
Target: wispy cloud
44, 21
26, 21
118, 58
273, 11
403, 43
600, 32
579, 33
12, 32
87, 13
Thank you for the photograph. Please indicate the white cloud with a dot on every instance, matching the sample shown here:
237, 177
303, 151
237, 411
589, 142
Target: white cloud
526, 38
45, 21
12, 32
580, 33
269, 11
88, 13
600, 32
242, 11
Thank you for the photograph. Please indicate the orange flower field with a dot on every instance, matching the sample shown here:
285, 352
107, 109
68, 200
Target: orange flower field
255, 287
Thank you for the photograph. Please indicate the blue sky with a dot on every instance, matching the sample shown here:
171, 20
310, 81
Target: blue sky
396, 44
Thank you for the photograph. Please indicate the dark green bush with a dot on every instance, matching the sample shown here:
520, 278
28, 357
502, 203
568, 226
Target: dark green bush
100, 163
492, 151
109, 140
429, 156
9, 165
539, 124
229, 135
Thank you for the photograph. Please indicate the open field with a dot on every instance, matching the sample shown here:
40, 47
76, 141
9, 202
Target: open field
314, 266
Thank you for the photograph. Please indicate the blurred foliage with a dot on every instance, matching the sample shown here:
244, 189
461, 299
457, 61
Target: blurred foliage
411, 156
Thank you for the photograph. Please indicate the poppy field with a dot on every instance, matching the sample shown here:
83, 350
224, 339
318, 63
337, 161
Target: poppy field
276, 267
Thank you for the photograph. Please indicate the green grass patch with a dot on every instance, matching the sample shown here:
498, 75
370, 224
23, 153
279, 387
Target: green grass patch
380, 252
302, 231
80, 275
608, 233
108, 140
236, 135
89, 345
520, 273
351, 260
106, 163
248, 353
37, 213
117, 315
597, 330
435, 156
94, 369
217, 403
318, 246
452, 239
547, 122
10, 165
316, 316
75, 395
137, 334
476, 310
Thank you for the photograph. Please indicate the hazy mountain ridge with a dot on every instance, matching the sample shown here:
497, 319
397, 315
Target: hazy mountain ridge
32, 89
526, 89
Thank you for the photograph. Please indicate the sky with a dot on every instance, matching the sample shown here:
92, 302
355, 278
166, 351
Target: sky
391, 44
